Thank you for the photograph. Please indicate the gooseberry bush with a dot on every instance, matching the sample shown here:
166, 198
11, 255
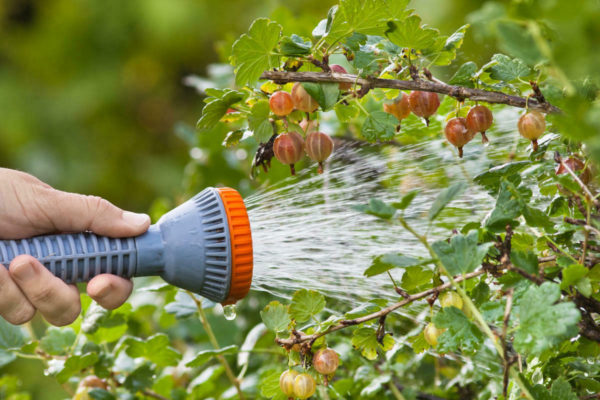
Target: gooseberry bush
512, 298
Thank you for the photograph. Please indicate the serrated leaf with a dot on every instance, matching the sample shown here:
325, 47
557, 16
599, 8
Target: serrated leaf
492, 178
418, 343
377, 208
182, 307
295, 46
326, 94
217, 107
507, 69
365, 339
447, 53
509, 206
156, 349
345, 113
385, 262
306, 304
516, 40
141, 378
259, 122
460, 333
58, 341
269, 385
542, 323
203, 356
74, 364
11, 337
462, 255
100, 394
527, 261
252, 53
537, 218
379, 125
410, 34
406, 200
365, 62
572, 274
415, 278
464, 75
444, 198
275, 316
233, 138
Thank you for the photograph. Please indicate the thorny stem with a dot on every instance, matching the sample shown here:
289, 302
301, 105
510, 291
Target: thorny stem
213, 340
436, 86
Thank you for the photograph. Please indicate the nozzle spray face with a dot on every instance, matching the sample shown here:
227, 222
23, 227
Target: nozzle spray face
204, 245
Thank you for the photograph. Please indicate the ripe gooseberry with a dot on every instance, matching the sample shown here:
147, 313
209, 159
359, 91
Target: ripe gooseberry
302, 100
451, 299
338, 69
432, 333
289, 149
286, 382
309, 125
423, 104
319, 147
304, 386
400, 108
326, 361
479, 119
575, 164
458, 134
281, 103
531, 126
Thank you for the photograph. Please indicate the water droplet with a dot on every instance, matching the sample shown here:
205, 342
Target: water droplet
229, 312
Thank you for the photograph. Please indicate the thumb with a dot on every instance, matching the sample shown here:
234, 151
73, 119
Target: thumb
70, 212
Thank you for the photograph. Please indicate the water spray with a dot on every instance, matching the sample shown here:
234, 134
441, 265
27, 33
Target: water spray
204, 245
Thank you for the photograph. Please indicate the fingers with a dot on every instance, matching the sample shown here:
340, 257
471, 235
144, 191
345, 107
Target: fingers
110, 291
57, 302
69, 212
14, 306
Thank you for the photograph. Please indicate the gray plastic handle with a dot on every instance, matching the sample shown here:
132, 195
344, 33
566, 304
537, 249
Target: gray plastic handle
76, 257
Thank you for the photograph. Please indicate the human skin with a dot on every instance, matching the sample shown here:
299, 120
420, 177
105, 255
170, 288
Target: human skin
29, 207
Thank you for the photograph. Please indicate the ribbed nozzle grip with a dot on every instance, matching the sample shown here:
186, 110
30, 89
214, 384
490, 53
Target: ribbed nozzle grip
75, 257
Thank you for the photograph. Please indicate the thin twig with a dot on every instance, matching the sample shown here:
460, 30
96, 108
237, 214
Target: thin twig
582, 185
154, 395
436, 86
507, 360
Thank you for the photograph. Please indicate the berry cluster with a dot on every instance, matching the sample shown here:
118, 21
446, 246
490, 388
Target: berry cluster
302, 385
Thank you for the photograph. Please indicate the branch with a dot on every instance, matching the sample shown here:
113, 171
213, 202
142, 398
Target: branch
436, 86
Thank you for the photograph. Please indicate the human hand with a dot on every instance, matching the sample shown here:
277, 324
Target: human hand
29, 207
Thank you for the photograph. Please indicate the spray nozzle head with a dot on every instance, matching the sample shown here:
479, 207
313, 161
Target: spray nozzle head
206, 246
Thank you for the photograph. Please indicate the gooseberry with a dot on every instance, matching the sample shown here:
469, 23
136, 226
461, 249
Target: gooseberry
531, 126
326, 361
432, 333
289, 149
400, 108
338, 69
281, 103
574, 164
309, 125
319, 147
451, 299
479, 119
302, 100
458, 134
286, 382
423, 104
304, 386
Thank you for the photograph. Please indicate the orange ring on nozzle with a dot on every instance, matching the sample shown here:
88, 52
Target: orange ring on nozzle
241, 245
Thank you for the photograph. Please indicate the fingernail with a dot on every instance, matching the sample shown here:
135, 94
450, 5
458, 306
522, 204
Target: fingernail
23, 271
103, 291
135, 219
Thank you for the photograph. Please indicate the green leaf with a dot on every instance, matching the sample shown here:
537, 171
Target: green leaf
409, 33
295, 46
447, 53
252, 53
460, 332
156, 349
415, 278
506, 69
259, 123
492, 178
527, 261
389, 261
101, 394
216, 107
542, 323
377, 208
233, 138
406, 200
6, 357
379, 125
365, 340
516, 40
326, 94
305, 304
575, 275
58, 341
462, 255
141, 378
365, 62
464, 75
445, 197
269, 385
183, 306
509, 205
345, 113
203, 356
561, 390
74, 364
11, 337
275, 316
537, 218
